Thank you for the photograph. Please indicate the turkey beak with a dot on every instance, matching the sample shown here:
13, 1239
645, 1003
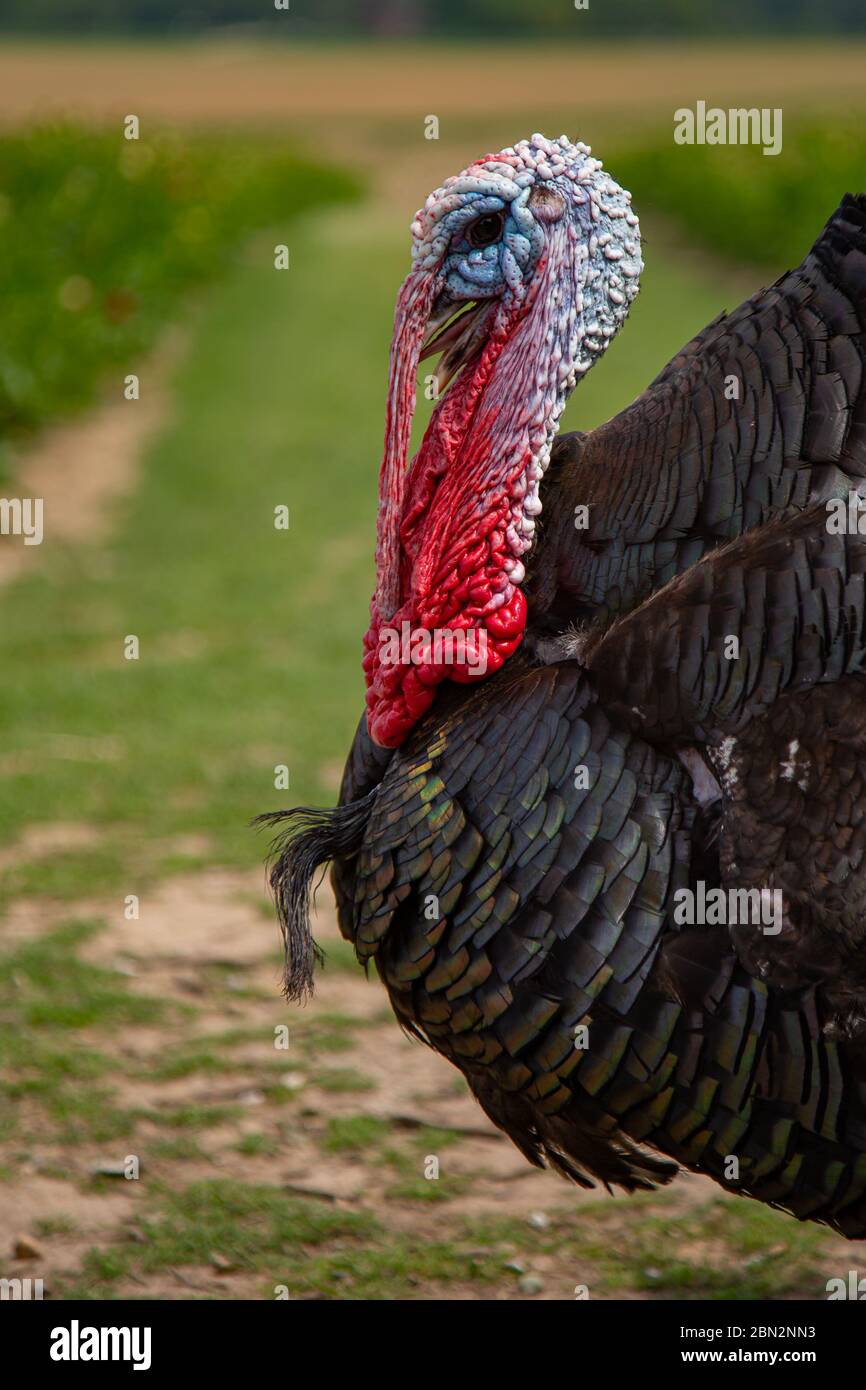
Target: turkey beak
456, 329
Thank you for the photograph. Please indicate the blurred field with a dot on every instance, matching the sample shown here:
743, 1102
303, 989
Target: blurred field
100, 237
744, 211
225, 79
155, 1036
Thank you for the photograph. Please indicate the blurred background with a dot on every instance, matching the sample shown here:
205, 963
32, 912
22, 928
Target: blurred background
164, 388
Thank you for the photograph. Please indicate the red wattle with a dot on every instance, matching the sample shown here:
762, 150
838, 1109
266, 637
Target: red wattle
452, 530
399, 694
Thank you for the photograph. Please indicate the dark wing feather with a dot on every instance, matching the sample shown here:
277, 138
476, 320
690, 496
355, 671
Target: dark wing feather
757, 656
764, 410
775, 612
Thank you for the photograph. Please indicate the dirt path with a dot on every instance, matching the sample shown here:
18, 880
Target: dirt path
82, 469
204, 948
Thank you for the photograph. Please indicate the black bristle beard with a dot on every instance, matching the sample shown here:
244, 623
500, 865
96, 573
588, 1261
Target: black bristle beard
306, 842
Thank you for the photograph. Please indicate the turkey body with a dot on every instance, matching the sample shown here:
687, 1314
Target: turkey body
686, 720
517, 880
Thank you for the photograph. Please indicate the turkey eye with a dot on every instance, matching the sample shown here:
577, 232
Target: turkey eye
485, 230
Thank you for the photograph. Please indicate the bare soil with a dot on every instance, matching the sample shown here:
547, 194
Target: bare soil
83, 468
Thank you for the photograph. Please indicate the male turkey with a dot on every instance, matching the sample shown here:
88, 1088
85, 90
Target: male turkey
670, 711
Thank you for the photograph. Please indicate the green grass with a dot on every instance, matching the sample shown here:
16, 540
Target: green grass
381, 1143
411, 1183
59, 1225
717, 1250
185, 1148
340, 958
194, 1117
217, 1054
329, 1032
190, 1061
355, 1133
309, 1247
54, 988
99, 235
339, 1080
74, 873
256, 1144
59, 1018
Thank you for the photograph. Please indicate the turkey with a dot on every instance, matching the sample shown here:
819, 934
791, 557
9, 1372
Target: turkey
602, 830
